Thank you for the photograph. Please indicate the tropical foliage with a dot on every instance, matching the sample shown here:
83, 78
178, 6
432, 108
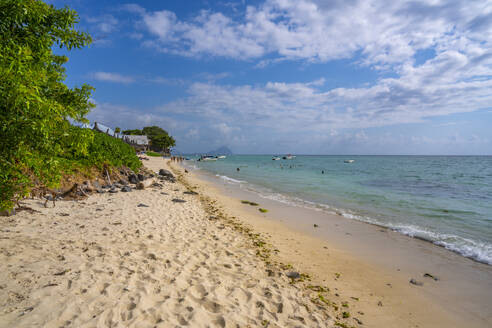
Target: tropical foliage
37, 138
159, 138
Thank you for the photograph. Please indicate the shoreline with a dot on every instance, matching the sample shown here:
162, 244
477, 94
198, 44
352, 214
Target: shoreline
236, 186
191, 254
470, 251
462, 292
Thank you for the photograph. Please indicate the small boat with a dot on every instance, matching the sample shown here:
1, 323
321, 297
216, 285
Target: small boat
207, 158
349, 161
274, 158
289, 156
221, 156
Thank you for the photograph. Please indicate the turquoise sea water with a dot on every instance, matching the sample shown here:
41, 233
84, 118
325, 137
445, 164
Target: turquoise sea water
446, 200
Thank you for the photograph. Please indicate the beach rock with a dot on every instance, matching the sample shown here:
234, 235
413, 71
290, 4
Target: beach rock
100, 191
113, 191
416, 283
315, 225
177, 200
142, 205
293, 274
123, 182
165, 172
126, 189
140, 177
133, 178
87, 186
190, 193
428, 275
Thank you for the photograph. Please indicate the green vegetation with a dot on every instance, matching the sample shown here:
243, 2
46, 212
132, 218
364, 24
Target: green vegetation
249, 203
159, 138
38, 142
263, 210
134, 132
153, 153
345, 315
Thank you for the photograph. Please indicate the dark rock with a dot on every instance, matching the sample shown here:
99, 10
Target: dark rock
140, 177
416, 283
165, 172
107, 186
113, 191
315, 225
100, 191
117, 185
190, 193
133, 178
428, 275
48, 197
177, 200
293, 275
142, 205
164, 193
123, 182
126, 189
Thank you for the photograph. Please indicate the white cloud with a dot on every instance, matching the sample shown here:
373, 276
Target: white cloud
103, 24
112, 77
383, 33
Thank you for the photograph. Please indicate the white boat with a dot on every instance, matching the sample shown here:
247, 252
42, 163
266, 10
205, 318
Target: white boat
207, 158
349, 161
275, 158
289, 156
221, 156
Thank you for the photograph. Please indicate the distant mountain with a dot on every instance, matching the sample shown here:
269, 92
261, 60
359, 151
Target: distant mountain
220, 151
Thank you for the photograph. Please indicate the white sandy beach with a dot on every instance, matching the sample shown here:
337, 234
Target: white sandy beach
108, 262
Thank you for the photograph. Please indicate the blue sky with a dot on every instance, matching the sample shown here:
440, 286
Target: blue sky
293, 76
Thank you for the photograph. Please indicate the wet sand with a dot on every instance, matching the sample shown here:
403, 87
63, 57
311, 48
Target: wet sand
374, 263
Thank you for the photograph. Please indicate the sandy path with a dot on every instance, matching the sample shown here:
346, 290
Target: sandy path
106, 262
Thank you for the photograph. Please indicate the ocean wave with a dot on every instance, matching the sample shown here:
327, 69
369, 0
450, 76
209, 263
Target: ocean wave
228, 179
476, 250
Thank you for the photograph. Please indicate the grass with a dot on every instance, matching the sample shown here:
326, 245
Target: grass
153, 153
263, 210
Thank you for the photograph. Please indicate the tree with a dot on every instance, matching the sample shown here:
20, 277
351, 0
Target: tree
36, 107
117, 130
134, 132
159, 138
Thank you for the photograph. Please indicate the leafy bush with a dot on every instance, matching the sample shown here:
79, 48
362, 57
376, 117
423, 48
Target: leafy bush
154, 154
37, 139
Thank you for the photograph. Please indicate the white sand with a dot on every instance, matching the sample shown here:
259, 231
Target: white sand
105, 262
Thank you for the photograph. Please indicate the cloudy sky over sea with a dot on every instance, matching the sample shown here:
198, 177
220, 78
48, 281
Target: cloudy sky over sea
293, 76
